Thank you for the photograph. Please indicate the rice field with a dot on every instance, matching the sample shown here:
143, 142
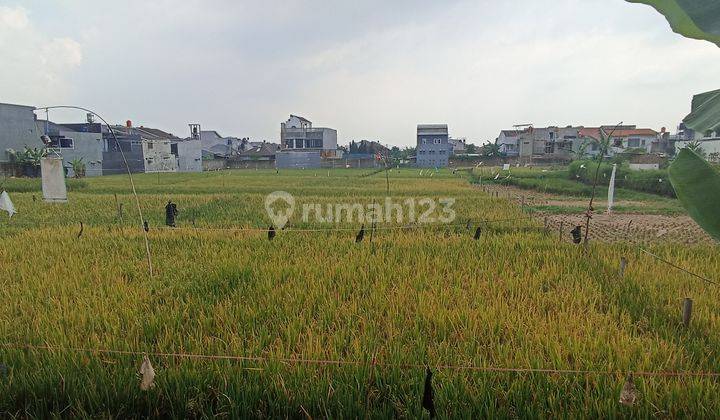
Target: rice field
309, 311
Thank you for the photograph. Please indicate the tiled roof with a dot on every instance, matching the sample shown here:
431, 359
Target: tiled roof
594, 132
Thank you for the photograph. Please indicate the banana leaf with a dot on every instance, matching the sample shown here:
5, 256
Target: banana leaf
698, 19
705, 114
697, 185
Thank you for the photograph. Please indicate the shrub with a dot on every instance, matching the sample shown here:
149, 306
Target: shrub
650, 181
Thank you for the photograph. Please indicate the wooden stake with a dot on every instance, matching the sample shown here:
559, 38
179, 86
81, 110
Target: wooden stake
687, 311
623, 264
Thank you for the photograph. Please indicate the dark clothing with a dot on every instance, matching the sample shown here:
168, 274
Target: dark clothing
170, 214
577, 234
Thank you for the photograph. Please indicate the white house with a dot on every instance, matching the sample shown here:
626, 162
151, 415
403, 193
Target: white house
509, 142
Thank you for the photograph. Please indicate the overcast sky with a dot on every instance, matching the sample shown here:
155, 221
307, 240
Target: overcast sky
371, 69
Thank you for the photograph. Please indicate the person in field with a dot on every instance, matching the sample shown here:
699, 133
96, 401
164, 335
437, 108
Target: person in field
170, 213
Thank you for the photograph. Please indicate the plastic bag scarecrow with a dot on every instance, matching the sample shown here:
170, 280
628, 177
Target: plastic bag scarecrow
6, 204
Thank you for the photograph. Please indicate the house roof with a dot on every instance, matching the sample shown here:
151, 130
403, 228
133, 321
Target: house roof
594, 132
265, 149
160, 134
220, 150
511, 133
51, 126
646, 159
146, 133
303, 119
705, 113
635, 132
211, 133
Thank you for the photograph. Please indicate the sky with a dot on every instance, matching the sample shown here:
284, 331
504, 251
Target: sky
370, 69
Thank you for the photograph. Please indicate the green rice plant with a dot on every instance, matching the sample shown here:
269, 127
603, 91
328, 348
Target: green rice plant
515, 298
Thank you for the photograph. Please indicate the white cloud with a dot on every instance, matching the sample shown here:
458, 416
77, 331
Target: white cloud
13, 17
36, 66
371, 69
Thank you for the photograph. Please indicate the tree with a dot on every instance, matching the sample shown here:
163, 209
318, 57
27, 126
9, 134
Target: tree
490, 150
695, 147
471, 148
78, 167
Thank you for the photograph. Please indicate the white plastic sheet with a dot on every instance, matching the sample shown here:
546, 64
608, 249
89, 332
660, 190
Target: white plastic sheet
6, 204
611, 189
148, 374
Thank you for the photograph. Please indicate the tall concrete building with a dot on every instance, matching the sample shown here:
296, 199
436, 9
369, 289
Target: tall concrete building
305, 146
433, 146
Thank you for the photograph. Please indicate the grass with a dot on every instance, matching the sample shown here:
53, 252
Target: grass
515, 298
556, 182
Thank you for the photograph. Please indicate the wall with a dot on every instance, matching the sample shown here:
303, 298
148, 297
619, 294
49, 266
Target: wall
18, 129
158, 157
708, 145
327, 135
112, 159
214, 164
189, 157
301, 160
433, 147
88, 146
644, 166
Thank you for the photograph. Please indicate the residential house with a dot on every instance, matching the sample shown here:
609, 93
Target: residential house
262, 152
18, 130
297, 135
71, 143
155, 147
218, 146
433, 147
704, 117
620, 139
645, 162
188, 153
508, 142
458, 145
365, 154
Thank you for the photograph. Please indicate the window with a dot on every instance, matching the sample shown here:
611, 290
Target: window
150, 145
424, 141
634, 142
617, 142
289, 143
298, 143
174, 149
61, 142
437, 141
442, 152
552, 135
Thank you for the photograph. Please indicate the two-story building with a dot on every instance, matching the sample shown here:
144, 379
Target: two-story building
620, 139
305, 146
71, 142
508, 142
433, 147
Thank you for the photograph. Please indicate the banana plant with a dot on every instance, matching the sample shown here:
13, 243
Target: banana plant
697, 186
699, 19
